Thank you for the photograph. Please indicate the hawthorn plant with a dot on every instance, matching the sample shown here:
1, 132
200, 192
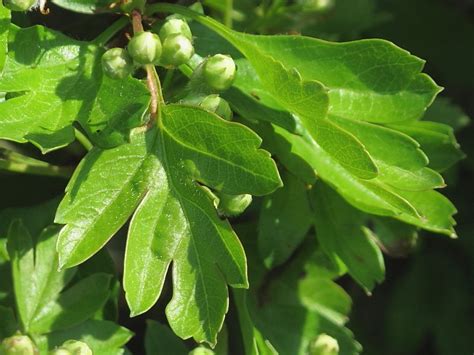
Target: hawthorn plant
247, 172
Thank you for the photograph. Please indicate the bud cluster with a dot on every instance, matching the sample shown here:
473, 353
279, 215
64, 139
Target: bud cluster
171, 48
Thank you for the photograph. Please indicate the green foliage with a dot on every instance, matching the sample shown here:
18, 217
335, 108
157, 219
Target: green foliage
314, 159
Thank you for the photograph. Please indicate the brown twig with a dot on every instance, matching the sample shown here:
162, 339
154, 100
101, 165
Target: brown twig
152, 79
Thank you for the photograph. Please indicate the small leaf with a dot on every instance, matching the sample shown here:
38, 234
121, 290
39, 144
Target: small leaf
58, 80
5, 18
341, 232
84, 6
437, 141
404, 167
73, 306
20, 249
435, 209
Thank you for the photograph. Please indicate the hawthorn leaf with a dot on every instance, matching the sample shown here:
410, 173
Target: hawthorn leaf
20, 248
437, 141
340, 230
36, 279
160, 340
369, 196
157, 178
403, 167
371, 80
435, 209
304, 101
38, 283
85, 6
306, 98
285, 219
374, 196
103, 337
324, 296
5, 18
75, 305
52, 81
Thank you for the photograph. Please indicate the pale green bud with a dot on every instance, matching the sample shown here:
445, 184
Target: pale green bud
175, 26
145, 48
76, 347
324, 345
317, 5
217, 105
177, 50
201, 351
219, 72
18, 345
233, 205
117, 63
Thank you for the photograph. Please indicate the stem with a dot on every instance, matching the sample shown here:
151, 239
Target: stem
168, 78
44, 170
137, 22
111, 31
229, 9
81, 138
152, 80
186, 70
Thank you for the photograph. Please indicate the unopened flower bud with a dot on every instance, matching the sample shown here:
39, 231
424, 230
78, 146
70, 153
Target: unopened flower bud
145, 48
217, 105
324, 345
175, 26
117, 63
18, 345
233, 205
219, 72
76, 347
177, 50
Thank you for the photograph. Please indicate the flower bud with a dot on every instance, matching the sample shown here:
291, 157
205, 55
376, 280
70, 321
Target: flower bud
117, 63
177, 50
217, 105
324, 345
76, 347
317, 5
19, 5
18, 345
201, 351
233, 205
175, 26
145, 48
219, 72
